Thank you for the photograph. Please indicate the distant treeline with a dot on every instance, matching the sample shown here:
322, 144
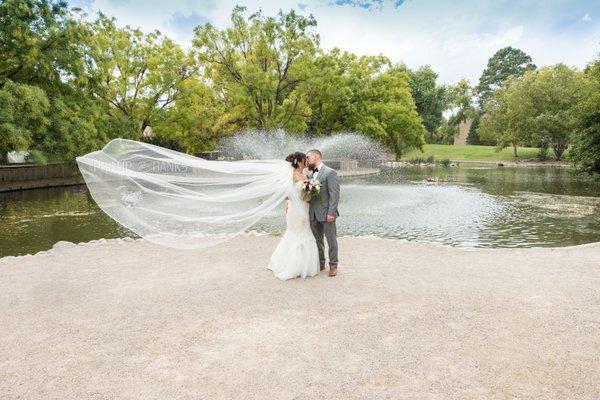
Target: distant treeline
69, 84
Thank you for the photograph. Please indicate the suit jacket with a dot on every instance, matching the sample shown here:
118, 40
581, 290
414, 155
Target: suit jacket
330, 195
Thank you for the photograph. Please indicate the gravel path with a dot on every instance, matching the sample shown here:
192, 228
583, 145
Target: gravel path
126, 319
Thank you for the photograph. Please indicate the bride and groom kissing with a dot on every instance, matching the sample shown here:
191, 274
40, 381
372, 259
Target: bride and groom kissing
309, 219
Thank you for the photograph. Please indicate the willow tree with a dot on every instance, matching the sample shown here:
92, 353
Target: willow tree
261, 67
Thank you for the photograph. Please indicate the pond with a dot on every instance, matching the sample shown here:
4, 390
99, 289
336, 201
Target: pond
470, 206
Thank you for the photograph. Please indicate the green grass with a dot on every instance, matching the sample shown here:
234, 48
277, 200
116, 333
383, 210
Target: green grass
472, 153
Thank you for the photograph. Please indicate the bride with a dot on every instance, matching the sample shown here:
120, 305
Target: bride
297, 254
180, 201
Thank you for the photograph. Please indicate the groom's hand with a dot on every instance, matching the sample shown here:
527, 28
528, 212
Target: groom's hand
330, 218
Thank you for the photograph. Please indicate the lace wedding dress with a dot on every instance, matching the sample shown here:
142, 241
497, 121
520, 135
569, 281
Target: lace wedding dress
296, 254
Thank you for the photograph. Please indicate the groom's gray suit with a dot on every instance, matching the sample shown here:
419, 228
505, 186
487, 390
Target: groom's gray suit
318, 210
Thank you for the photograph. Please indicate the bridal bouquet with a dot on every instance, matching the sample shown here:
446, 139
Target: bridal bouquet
311, 188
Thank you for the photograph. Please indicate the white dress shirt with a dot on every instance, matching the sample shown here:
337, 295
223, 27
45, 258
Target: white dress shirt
319, 166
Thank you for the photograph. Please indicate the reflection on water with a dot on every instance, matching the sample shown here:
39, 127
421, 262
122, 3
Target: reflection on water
33, 220
477, 207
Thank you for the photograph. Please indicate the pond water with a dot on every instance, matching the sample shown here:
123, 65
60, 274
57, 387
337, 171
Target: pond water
474, 207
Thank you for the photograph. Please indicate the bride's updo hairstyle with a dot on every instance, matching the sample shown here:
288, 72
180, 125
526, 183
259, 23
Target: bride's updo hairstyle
295, 158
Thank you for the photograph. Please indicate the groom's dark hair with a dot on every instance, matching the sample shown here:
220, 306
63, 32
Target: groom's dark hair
317, 152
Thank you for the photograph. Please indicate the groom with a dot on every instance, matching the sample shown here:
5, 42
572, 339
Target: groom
324, 211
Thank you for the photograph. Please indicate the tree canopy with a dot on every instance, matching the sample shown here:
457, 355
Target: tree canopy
261, 66
586, 137
70, 83
538, 108
430, 98
505, 63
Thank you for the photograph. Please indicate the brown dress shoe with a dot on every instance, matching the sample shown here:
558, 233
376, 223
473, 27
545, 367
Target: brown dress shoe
332, 271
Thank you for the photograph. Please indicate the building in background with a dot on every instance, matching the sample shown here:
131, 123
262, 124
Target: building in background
463, 133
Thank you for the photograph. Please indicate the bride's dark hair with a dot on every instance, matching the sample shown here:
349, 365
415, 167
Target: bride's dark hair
295, 158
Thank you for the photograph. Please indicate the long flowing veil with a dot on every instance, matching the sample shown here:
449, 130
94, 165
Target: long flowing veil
178, 200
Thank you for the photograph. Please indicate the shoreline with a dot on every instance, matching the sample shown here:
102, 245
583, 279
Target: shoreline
124, 318
63, 244
457, 163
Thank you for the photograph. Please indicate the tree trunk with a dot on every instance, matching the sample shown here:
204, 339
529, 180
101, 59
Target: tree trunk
515, 149
5, 158
559, 149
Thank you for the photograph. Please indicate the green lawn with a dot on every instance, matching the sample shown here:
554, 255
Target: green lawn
473, 153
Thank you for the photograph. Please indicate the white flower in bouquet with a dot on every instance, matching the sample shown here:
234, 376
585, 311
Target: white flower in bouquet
311, 188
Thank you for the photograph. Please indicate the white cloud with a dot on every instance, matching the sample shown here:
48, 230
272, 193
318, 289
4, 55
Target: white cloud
456, 38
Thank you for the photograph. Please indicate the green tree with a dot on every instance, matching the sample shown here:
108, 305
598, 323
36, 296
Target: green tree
586, 138
501, 121
43, 49
194, 123
460, 102
137, 75
23, 115
539, 107
429, 97
367, 95
41, 44
504, 63
261, 66
339, 90
391, 113
446, 133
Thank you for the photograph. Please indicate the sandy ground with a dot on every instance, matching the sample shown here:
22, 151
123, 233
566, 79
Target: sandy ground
129, 320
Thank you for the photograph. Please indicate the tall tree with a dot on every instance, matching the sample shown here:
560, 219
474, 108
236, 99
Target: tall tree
261, 66
43, 52
429, 97
391, 114
506, 62
586, 138
23, 115
364, 94
41, 44
339, 90
539, 107
137, 75
459, 101
194, 123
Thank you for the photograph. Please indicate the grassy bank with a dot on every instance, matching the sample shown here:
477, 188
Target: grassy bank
472, 153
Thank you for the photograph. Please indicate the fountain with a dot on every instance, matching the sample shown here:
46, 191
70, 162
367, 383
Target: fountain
342, 151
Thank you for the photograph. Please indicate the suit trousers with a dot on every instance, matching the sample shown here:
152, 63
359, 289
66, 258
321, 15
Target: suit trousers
328, 230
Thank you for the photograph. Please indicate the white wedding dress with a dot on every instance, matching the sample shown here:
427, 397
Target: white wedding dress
296, 254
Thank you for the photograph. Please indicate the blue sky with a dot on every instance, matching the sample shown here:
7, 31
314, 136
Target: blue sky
455, 37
